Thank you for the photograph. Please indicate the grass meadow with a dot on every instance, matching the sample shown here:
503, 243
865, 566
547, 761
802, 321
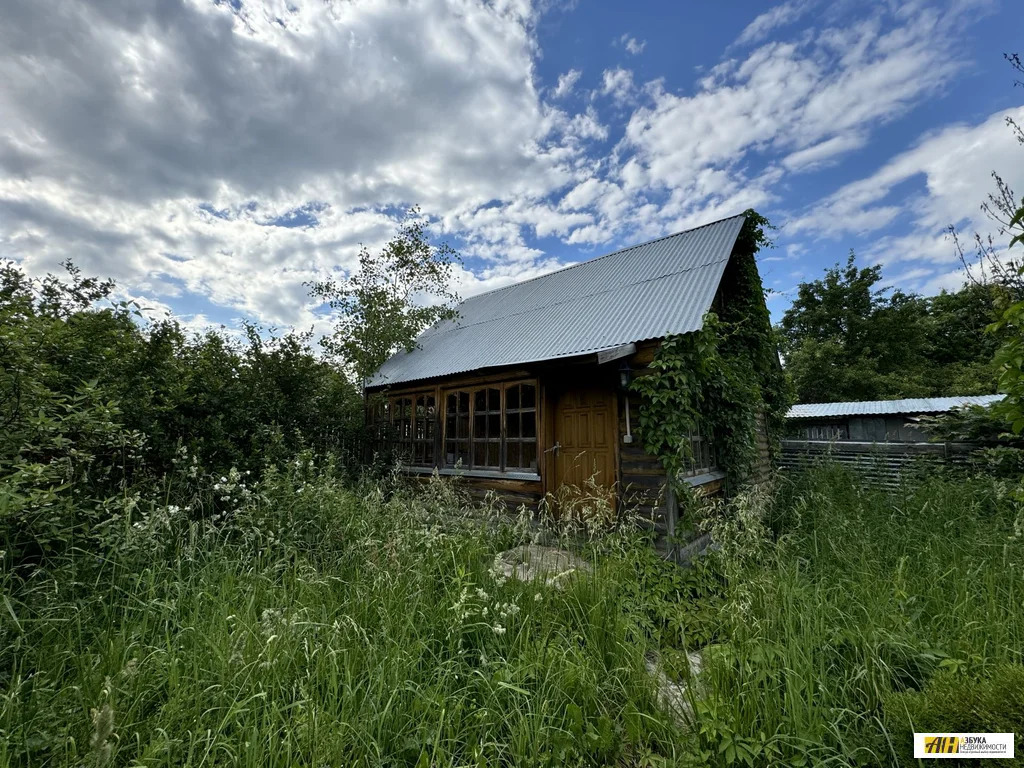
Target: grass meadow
316, 621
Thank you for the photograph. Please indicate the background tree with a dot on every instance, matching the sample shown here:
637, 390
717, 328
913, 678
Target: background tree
1010, 356
846, 337
997, 265
390, 299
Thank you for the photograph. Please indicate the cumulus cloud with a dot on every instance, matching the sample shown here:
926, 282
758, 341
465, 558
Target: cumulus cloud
633, 46
786, 107
225, 153
236, 150
617, 83
566, 83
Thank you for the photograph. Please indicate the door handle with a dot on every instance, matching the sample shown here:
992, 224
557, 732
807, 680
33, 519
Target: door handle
554, 448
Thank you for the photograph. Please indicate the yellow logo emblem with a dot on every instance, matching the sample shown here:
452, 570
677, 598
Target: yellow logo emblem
934, 745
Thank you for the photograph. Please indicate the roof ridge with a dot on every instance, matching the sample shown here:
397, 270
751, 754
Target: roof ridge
599, 258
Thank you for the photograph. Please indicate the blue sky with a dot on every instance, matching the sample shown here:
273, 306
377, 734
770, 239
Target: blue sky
214, 157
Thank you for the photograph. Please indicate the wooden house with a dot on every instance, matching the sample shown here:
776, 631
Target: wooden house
526, 392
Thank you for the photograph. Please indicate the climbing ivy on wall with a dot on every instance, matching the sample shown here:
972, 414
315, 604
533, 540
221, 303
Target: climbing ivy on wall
721, 378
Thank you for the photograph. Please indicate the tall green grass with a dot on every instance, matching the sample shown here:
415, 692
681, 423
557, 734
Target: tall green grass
321, 626
864, 595
322, 623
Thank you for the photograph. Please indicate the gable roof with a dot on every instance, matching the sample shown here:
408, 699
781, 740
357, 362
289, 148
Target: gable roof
644, 292
889, 407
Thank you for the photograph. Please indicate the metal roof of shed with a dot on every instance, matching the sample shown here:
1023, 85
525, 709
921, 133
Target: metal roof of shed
643, 292
888, 407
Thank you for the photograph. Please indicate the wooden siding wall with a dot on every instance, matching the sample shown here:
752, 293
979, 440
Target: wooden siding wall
762, 468
642, 481
642, 478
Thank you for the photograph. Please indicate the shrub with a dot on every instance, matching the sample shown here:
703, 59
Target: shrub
952, 702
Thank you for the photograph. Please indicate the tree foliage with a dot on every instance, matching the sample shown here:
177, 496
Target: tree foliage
94, 399
846, 337
393, 296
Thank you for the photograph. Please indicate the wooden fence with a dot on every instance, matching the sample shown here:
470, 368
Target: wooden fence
879, 463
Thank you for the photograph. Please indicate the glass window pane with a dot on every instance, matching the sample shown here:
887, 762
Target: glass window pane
494, 399
512, 426
528, 399
529, 456
479, 454
464, 402
462, 430
480, 400
512, 397
480, 425
493, 451
511, 454
529, 423
494, 425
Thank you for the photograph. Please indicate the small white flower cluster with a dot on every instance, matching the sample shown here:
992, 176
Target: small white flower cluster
496, 614
232, 489
497, 572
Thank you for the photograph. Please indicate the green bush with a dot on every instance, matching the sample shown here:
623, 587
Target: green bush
952, 702
95, 400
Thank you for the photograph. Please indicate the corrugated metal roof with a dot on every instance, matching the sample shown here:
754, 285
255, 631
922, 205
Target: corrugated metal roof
887, 407
643, 292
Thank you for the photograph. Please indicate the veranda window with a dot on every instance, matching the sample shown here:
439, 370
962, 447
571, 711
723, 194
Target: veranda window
407, 423
492, 427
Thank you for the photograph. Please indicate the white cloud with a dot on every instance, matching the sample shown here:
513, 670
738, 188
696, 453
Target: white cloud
772, 19
811, 101
632, 45
955, 165
566, 83
170, 146
820, 153
617, 83
202, 151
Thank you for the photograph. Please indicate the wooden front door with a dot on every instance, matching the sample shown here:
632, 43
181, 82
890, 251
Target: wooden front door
585, 435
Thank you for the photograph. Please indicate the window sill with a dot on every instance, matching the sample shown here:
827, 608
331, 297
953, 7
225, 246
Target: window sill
704, 479
490, 474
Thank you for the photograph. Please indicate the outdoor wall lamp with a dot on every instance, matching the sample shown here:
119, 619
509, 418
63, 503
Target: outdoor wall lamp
624, 372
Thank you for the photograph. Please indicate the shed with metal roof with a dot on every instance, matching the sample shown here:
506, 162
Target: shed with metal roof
891, 421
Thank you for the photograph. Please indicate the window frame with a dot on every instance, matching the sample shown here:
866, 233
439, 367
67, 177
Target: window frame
472, 390
393, 428
703, 451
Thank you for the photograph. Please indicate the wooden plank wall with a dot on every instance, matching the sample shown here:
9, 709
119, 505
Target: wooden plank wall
762, 468
642, 478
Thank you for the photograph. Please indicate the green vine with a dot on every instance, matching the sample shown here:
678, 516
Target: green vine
721, 379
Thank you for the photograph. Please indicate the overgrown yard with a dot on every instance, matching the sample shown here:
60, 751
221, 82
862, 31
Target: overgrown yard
327, 623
